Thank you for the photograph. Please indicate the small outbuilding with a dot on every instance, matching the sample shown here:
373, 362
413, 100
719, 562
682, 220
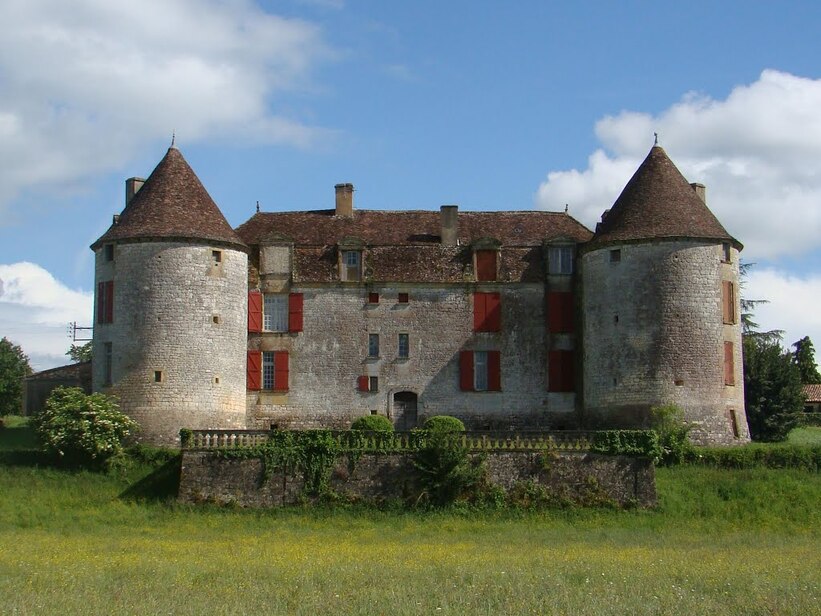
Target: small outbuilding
37, 387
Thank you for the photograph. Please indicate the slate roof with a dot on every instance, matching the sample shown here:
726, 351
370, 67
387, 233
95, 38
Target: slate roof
408, 228
658, 202
172, 205
812, 392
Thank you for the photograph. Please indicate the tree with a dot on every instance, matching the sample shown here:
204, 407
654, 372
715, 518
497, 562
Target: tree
80, 352
14, 365
804, 358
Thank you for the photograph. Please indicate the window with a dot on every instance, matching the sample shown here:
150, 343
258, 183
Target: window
216, 257
729, 364
734, 423
158, 376
351, 266
404, 346
560, 260
403, 298
373, 345
728, 302
487, 312
480, 371
367, 383
485, 265
105, 302
560, 312
108, 252
615, 255
560, 371
726, 252
267, 370
275, 313
108, 364
373, 383
373, 298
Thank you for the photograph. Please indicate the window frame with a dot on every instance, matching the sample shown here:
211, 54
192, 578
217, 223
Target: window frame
403, 346
350, 271
560, 259
373, 345
279, 310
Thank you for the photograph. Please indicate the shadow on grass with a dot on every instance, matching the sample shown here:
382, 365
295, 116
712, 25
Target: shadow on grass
161, 484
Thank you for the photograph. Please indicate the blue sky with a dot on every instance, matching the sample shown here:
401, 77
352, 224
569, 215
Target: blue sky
488, 105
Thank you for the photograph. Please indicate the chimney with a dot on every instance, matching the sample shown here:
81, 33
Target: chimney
344, 200
132, 185
449, 219
701, 191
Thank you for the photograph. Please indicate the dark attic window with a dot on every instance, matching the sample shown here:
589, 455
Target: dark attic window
403, 298
108, 251
615, 255
726, 254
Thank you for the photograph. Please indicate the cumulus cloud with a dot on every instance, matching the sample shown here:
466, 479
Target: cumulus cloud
757, 151
35, 309
87, 84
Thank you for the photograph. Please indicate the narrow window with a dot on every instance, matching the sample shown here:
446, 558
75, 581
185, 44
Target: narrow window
480, 371
158, 376
373, 383
374, 412
728, 302
109, 252
726, 252
373, 345
485, 265
729, 364
109, 361
403, 298
615, 255
267, 370
404, 346
275, 313
560, 260
105, 302
351, 266
373, 298
734, 423
274, 370
216, 257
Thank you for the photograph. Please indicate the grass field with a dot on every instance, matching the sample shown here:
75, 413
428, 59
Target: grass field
726, 542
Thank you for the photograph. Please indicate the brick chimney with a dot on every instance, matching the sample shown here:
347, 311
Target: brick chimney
701, 191
132, 185
344, 200
449, 219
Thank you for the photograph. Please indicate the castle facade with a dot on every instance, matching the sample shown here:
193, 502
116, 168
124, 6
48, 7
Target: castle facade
507, 320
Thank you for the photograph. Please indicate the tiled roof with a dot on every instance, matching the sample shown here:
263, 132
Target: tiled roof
658, 202
172, 205
812, 392
398, 228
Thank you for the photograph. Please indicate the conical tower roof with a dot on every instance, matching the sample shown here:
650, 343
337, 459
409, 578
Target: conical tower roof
172, 205
658, 202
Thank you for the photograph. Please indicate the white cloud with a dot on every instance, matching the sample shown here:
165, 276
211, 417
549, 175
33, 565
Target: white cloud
35, 309
757, 151
87, 84
792, 303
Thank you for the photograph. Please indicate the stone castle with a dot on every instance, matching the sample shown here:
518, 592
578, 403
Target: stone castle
508, 320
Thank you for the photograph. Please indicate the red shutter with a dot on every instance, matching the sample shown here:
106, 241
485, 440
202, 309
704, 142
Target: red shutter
729, 364
493, 312
728, 301
494, 371
560, 312
560, 371
295, 312
373, 298
100, 302
485, 265
466, 370
479, 313
109, 301
281, 370
254, 311
253, 374
362, 383
403, 298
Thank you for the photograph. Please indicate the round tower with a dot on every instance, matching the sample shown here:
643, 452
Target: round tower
661, 310
170, 307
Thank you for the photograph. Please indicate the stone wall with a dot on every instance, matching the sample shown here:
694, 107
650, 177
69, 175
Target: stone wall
576, 476
178, 336
653, 335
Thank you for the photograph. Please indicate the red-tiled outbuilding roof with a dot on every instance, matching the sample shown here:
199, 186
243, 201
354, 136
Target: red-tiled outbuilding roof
812, 392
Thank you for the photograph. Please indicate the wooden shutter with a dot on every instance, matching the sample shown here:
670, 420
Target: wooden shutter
281, 370
362, 383
494, 371
100, 302
728, 302
295, 312
729, 364
485, 265
478, 311
560, 371
487, 312
109, 301
254, 311
253, 371
373, 298
466, 370
560, 312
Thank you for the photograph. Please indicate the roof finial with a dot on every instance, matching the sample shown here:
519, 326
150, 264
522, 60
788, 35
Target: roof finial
656, 135
566, 206
257, 207
173, 138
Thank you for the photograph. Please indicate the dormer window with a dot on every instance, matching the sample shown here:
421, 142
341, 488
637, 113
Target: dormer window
560, 260
351, 270
486, 265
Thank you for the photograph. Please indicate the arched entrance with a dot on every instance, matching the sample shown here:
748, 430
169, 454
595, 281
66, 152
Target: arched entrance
404, 410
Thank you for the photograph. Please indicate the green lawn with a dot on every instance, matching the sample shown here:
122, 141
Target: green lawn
721, 542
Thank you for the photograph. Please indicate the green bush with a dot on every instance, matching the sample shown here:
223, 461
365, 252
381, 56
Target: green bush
374, 423
82, 429
445, 469
443, 423
643, 443
668, 422
807, 458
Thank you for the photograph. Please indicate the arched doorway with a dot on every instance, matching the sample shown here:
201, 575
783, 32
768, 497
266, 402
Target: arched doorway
404, 410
